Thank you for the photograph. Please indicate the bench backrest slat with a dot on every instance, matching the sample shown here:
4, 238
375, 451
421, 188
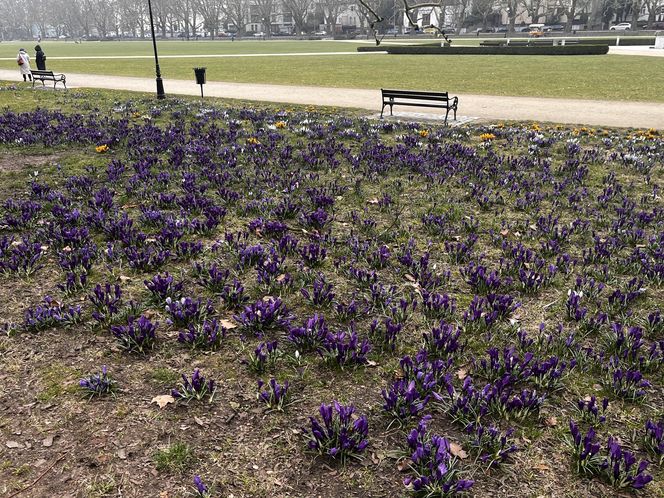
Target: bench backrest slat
414, 94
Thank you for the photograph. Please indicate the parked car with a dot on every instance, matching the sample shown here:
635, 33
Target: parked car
320, 33
623, 26
536, 30
553, 27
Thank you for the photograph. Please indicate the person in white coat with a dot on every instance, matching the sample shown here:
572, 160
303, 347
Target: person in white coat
23, 61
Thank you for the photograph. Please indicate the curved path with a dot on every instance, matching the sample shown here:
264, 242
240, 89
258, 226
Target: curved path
482, 107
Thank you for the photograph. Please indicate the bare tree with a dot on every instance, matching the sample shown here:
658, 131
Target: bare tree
15, 21
332, 9
653, 7
383, 9
462, 8
237, 13
299, 10
265, 9
484, 9
210, 11
534, 9
184, 13
131, 15
635, 7
103, 15
514, 9
570, 8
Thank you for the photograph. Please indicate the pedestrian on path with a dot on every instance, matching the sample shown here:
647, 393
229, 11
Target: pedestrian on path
41, 58
23, 61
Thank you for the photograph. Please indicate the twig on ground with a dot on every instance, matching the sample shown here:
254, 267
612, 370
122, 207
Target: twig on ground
25, 488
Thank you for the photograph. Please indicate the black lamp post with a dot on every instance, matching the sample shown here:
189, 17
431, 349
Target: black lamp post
160, 83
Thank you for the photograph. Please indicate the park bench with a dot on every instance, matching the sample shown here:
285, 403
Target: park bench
542, 42
48, 76
439, 100
492, 43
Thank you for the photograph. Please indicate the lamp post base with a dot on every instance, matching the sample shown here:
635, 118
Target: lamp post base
160, 88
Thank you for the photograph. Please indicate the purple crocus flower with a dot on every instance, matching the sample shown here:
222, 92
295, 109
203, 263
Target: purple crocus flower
341, 434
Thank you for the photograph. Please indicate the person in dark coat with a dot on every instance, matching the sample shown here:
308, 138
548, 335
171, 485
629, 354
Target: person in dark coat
41, 58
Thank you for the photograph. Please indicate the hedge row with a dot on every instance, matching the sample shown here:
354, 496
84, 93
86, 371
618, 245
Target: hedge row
543, 50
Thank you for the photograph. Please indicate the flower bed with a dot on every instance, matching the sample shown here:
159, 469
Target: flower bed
418, 306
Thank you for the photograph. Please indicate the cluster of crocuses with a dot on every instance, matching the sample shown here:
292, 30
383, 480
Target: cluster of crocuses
435, 468
196, 388
340, 433
51, 314
615, 464
97, 384
341, 245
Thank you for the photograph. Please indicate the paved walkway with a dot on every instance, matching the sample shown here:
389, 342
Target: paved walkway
636, 50
483, 107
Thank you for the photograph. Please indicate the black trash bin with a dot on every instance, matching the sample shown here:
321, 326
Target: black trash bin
200, 77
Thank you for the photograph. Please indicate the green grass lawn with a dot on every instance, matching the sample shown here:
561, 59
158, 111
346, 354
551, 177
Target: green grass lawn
607, 77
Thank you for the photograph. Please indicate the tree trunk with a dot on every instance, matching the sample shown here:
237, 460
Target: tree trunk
651, 16
570, 16
512, 12
636, 10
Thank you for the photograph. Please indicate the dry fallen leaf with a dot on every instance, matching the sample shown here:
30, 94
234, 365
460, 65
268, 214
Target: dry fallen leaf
163, 400
47, 442
551, 421
373, 201
462, 373
13, 444
227, 324
199, 421
122, 454
409, 277
458, 451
